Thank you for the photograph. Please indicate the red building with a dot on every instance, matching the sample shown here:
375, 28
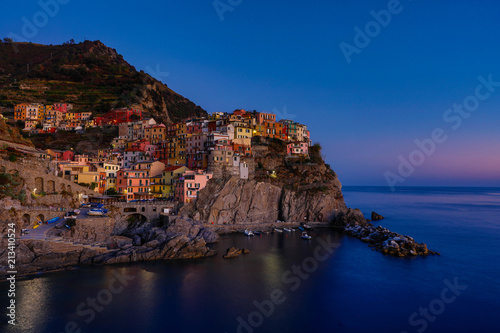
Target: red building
119, 116
193, 128
239, 112
68, 155
212, 126
98, 121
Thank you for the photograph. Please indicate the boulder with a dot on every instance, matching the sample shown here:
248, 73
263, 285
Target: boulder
376, 217
120, 242
234, 252
136, 240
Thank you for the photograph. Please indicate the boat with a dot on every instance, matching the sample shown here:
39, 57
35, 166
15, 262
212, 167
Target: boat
53, 220
302, 228
70, 215
257, 233
95, 212
278, 230
287, 229
305, 235
249, 232
305, 226
77, 211
36, 225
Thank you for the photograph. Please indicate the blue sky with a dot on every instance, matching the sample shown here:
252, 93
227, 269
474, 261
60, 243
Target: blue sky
285, 55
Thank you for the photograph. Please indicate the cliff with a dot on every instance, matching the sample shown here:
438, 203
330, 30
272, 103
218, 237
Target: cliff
281, 189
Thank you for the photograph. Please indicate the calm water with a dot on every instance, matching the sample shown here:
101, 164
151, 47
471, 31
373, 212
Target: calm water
352, 289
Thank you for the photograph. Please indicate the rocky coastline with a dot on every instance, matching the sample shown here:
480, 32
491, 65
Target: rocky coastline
182, 238
379, 238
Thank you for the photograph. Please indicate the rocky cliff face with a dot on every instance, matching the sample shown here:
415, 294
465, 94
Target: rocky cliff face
281, 188
250, 201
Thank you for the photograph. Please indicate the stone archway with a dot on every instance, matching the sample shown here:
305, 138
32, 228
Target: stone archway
40, 218
38, 185
51, 186
26, 220
136, 218
14, 173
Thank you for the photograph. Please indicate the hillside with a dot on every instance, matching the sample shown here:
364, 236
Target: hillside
11, 134
89, 75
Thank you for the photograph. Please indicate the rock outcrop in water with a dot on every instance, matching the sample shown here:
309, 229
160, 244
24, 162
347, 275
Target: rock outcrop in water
234, 252
379, 238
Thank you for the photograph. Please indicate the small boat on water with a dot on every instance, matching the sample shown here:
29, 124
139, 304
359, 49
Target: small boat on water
305, 235
257, 233
77, 211
305, 226
287, 229
278, 230
302, 228
249, 233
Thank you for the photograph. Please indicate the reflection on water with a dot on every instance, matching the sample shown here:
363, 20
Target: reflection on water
353, 290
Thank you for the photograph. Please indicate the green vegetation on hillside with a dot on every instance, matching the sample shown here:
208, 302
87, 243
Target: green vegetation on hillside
89, 75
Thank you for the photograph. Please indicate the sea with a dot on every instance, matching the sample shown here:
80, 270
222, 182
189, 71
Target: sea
331, 283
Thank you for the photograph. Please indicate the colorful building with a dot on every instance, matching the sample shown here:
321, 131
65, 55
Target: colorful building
189, 185
169, 175
297, 149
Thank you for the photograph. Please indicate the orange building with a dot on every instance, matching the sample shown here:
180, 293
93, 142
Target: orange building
20, 111
273, 130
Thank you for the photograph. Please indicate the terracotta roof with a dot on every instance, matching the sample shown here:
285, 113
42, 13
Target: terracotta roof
173, 167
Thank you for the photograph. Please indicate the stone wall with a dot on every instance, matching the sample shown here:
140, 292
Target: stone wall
37, 175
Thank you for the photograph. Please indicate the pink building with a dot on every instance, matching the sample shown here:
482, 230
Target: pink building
189, 184
297, 149
195, 143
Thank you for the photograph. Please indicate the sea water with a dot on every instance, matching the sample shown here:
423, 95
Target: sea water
332, 283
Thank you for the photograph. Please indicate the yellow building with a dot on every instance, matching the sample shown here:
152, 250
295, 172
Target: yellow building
155, 185
89, 178
243, 131
168, 176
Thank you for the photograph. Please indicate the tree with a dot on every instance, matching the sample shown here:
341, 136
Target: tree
111, 191
315, 153
8, 40
135, 117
